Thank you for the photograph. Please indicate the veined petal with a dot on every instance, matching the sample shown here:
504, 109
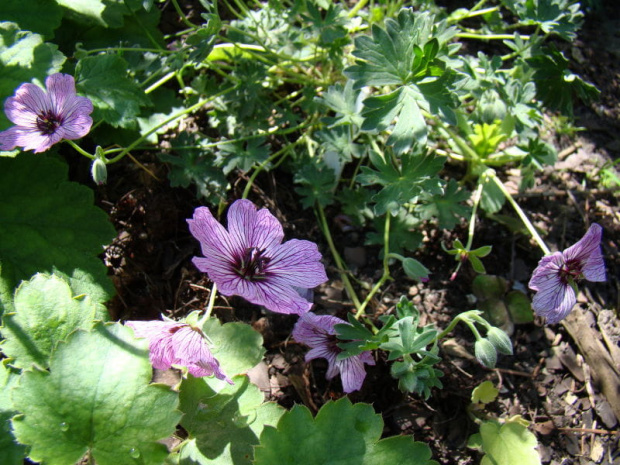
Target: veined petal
191, 350
61, 88
212, 235
352, 373
9, 139
297, 263
29, 101
588, 244
253, 228
548, 269
554, 300
273, 296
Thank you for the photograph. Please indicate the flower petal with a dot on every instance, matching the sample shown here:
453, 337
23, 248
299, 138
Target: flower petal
554, 300
29, 101
252, 228
191, 350
352, 373
297, 263
213, 238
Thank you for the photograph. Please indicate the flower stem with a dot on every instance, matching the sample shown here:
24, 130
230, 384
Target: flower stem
80, 150
528, 224
209, 308
178, 115
336, 256
386, 269
472, 221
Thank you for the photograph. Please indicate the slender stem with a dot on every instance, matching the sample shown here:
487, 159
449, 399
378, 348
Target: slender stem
336, 256
386, 269
184, 19
160, 82
180, 114
520, 212
358, 6
210, 306
260, 167
80, 149
472, 221
468, 35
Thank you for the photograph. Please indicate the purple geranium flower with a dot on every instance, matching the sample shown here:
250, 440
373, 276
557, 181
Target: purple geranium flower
43, 119
250, 260
555, 276
317, 332
174, 343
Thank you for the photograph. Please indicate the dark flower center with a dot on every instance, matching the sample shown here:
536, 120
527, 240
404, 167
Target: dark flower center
570, 271
252, 265
48, 122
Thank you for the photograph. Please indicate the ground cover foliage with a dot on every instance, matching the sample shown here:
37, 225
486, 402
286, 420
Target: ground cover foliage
424, 154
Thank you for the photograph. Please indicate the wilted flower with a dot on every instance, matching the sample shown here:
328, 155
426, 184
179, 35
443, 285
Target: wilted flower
555, 276
317, 332
42, 119
174, 343
250, 260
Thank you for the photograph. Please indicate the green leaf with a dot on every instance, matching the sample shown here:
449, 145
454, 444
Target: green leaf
519, 307
404, 233
562, 17
47, 19
108, 13
96, 400
402, 181
341, 433
556, 85
46, 311
237, 346
224, 426
51, 226
24, 57
400, 53
315, 183
195, 166
343, 100
485, 392
117, 98
447, 206
409, 53
414, 269
11, 453
492, 199
508, 444
242, 155
402, 105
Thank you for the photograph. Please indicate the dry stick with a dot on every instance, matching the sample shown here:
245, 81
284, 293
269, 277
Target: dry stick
588, 431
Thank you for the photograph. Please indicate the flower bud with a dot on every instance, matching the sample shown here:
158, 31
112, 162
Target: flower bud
99, 171
500, 340
485, 353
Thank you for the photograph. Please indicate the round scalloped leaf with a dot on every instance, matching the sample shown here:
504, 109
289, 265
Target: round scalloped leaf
45, 312
96, 400
225, 426
51, 226
508, 444
237, 346
11, 453
47, 19
341, 433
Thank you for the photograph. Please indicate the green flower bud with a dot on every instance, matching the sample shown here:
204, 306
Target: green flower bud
500, 340
99, 171
485, 353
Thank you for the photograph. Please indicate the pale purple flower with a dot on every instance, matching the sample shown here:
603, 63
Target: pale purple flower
44, 118
175, 343
555, 277
318, 333
250, 260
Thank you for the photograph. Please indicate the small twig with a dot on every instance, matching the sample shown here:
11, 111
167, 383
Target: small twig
588, 431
